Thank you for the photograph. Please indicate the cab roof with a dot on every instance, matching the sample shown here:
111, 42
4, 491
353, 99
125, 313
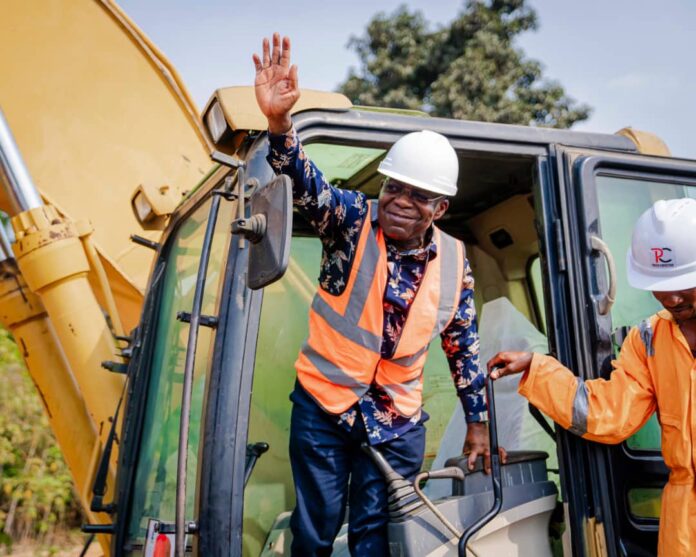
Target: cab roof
242, 111
242, 114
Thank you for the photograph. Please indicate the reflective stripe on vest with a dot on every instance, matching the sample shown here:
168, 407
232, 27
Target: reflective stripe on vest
342, 355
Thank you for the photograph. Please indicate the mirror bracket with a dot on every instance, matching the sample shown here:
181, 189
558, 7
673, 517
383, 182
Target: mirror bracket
253, 228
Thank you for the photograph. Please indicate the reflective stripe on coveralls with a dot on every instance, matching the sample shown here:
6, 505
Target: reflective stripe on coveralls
342, 355
646, 335
579, 424
655, 371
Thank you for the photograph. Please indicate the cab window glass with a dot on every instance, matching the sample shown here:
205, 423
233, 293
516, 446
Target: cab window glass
621, 201
339, 163
155, 479
645, 502
270, 495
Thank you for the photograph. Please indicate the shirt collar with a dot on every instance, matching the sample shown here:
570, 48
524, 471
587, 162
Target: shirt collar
431, 247
665, 314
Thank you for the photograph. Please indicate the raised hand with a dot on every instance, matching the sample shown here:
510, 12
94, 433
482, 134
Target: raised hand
276, 84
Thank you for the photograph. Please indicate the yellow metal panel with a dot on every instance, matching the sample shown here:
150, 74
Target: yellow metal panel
129, 299
242, 111
646, 142
96, 113
515, 216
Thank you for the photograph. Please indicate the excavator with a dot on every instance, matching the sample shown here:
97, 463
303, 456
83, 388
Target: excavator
157, 284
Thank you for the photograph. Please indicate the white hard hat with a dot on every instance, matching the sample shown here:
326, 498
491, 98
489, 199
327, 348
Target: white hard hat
425, 160
662, 257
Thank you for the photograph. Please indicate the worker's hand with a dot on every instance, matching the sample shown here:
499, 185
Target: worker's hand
477, 443
508, 363
276, 84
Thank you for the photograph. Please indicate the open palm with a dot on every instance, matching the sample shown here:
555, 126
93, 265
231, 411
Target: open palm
276, 83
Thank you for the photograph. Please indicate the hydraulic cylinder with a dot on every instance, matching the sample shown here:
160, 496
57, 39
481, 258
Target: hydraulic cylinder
51, 259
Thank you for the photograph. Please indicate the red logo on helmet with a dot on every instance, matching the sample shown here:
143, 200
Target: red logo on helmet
659, 254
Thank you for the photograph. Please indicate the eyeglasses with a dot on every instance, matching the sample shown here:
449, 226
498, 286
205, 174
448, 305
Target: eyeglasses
419, 196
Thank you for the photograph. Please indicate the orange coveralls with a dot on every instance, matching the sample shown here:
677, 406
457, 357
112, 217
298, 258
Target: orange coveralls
655, 371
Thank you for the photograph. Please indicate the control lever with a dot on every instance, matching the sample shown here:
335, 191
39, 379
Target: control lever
496, 474
405, 497
452, 473
401, 495
253, 453
458, 473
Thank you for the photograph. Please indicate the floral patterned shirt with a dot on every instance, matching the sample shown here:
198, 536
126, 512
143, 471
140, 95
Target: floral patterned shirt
337, 216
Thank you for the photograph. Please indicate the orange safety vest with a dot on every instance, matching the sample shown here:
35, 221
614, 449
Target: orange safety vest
342, 355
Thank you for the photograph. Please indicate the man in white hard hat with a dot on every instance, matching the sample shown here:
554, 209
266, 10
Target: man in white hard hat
390, 282
655, 371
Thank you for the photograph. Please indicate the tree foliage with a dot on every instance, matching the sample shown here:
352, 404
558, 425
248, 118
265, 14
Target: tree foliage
469, 69
36, 490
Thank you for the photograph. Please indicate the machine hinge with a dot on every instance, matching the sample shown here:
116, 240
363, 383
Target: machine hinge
190, 527
98, 528
560, 248
205, 320
144, 242
116, 367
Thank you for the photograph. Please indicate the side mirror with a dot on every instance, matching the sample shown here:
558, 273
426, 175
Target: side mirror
269, 230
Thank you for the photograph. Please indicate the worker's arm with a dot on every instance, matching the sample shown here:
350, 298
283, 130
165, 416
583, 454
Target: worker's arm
607, 411
328, 209
460, 342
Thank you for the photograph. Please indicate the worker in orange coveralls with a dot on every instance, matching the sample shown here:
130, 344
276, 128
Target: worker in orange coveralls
656, 370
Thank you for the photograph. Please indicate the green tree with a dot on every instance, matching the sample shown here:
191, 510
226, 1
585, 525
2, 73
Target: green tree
36, 491
469, 69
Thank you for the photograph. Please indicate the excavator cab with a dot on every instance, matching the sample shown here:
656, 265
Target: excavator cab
198, 323
538, 211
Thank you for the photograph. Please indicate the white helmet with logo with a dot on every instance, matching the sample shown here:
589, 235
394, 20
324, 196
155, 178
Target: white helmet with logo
424, 160
662, 257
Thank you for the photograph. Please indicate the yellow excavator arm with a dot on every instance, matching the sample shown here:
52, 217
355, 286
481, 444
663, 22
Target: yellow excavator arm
93, 114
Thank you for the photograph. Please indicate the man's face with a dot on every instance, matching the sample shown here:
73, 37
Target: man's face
680, 303
405, 213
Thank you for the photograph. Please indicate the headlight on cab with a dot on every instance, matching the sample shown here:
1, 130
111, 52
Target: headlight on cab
216, 123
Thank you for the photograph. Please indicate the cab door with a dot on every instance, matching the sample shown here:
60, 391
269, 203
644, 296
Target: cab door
603, 196
149, 472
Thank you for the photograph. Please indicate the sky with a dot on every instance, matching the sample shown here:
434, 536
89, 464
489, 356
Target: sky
632, 61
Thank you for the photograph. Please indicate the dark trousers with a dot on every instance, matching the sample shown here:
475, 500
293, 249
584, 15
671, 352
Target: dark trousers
330, 470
